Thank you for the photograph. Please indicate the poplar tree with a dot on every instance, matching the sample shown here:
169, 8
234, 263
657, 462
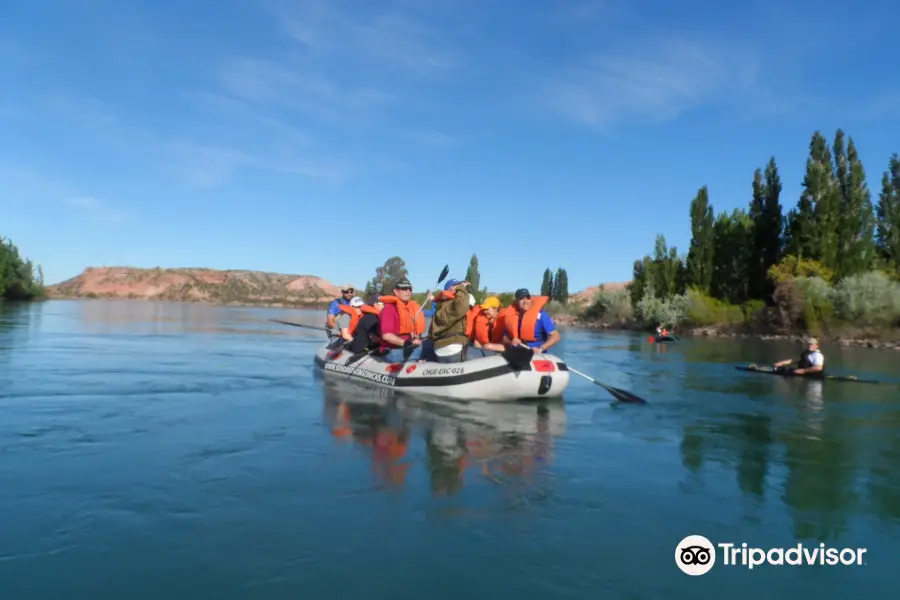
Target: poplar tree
700, 255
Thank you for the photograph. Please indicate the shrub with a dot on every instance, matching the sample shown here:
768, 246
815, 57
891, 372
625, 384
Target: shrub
703, 310
754, 313
655, 311
791, 268
818, 306
611, 306
867, 299
555, 308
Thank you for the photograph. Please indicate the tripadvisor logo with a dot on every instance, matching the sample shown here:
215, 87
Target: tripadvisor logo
696, 555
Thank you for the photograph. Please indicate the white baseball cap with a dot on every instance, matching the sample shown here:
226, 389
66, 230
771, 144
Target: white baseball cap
356, 302
471, 300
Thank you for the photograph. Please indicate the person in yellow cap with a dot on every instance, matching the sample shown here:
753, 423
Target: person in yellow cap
486, 333
812, 361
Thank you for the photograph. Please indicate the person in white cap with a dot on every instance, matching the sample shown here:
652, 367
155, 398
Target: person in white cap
358, 325
811, 362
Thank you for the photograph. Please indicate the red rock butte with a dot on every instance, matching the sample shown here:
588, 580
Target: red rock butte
197, 285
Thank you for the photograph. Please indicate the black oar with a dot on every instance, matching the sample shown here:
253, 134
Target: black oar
520, 356
292, 324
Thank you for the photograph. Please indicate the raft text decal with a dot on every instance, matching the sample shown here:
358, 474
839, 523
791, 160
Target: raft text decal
360, 373
444, 371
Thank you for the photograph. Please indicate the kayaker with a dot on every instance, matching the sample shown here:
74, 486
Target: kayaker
811, 362
358, 325
486, 334
447, 340
334, 310
526, 322
401, 324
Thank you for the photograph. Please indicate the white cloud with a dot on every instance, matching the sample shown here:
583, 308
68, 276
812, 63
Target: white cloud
390, 36
94, 210
652, 80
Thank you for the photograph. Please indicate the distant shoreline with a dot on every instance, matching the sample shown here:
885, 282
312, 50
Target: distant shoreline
298, 306
891, 342
565, 321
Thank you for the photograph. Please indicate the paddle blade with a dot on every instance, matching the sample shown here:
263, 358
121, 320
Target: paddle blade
623, 396
444, 273
519, 357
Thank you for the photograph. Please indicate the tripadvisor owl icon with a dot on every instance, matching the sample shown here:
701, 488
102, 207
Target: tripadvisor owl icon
695, 555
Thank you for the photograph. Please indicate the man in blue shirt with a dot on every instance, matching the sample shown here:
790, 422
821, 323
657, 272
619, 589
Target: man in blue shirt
334, 311
535, 328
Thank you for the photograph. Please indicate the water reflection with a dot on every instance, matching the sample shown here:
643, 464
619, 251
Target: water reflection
809, 442
499, 443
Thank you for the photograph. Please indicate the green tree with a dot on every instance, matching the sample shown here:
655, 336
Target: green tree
547, 283
392, 270
732, 256
856, 224
888, 213
18, 280
561, 286
473, 276
700, 255
640, 279
664, 274
767, 223
813, 223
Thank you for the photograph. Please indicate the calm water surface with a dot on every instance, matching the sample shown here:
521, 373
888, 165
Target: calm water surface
153, 450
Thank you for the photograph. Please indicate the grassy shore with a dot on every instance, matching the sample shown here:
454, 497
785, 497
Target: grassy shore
859, 311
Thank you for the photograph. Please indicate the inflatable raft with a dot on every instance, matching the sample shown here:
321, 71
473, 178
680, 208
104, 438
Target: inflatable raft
491, 378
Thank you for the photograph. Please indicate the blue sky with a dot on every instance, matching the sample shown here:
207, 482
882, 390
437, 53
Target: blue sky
322, 137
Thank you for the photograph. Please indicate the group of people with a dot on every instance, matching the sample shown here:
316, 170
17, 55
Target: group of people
395, 325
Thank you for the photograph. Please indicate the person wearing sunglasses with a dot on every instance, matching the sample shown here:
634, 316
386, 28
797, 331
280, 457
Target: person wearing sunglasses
401, 324
334, 309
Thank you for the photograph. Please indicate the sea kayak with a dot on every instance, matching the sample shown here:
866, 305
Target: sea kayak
816, 376
490, 378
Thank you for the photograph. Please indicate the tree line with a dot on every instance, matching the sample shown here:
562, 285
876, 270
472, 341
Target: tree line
834, 225
19, 278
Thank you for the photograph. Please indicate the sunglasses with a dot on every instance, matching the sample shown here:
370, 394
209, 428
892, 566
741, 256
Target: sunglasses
348, 291
405, 289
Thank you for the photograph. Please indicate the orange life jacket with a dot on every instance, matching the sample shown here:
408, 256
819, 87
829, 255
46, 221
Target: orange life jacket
444, 295
511, 319
485, 332
470, 320
406, 312
355, 317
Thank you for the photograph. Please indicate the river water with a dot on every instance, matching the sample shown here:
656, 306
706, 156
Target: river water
155, 450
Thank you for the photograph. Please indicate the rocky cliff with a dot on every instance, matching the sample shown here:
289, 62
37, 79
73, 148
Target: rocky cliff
197, 285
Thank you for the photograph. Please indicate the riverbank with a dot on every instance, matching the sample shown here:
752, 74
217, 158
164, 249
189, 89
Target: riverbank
889, 339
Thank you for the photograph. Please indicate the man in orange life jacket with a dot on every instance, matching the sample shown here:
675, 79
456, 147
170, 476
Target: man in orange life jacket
358, 324
401, 324
526, 323
486, 332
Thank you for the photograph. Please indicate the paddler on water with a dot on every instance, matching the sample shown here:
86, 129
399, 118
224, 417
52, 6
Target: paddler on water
334, 309
526, 323
358, 324
401, 324
448, 340
486, 331
811, 362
